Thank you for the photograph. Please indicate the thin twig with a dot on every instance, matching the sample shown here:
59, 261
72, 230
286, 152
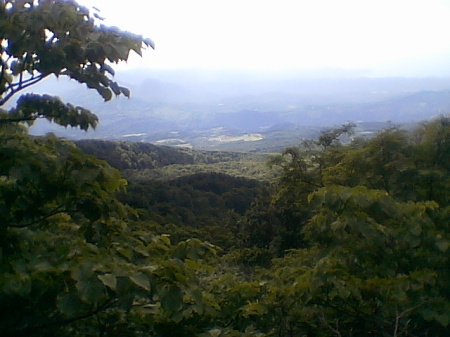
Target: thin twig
399, 316
56, 211
336, 331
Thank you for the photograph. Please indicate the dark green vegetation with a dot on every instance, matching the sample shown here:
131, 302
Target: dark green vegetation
163, 162
345, 240
200, 192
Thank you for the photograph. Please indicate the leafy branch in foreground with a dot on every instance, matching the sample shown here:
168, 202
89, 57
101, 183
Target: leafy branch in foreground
31, 107
60, 38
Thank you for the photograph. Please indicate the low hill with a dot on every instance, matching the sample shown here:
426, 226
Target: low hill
144, 161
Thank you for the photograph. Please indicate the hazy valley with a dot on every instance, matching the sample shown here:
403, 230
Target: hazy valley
248, 111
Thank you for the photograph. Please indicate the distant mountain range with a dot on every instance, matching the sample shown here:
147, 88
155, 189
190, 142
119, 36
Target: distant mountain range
247, 111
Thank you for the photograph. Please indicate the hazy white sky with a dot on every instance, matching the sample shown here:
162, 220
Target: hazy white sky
387, 37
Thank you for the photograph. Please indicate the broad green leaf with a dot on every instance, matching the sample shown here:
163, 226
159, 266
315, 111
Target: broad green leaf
126, 252
165, 238
82, 273
70, 305
125, 91
108, 68
91, 290
149, 42
172, 299
115, 88
105, 93
214, 332
141, 280
108, 280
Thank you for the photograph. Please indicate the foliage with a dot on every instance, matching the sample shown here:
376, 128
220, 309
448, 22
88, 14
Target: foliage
67, 254
78, 183
360, 231
71, 264
410, 166
61, 38
374, 253
205, 205
375, 266
138, 156
276, 219
144, 161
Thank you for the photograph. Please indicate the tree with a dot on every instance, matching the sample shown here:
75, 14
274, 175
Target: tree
373, 266
409, 165
70, 262
276, 219
60, 38
375, 238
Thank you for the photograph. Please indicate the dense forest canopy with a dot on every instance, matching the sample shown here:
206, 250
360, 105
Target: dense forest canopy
341, 240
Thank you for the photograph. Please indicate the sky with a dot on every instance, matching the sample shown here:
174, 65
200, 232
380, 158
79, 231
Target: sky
373, 38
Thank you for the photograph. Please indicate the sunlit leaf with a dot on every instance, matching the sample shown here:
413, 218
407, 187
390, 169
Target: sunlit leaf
108, 280
141, 280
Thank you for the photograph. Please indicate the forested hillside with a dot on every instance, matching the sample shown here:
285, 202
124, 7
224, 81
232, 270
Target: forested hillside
132, 156
339, 236
127, 155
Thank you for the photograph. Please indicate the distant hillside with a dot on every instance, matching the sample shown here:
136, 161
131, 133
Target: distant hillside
185, 188
145, 161
245, 120
129, 155
406, 108
246, 112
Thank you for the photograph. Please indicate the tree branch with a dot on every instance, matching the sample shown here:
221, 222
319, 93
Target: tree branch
399, 316
56, 211
353, 313
17, 120
20, 86
336, 331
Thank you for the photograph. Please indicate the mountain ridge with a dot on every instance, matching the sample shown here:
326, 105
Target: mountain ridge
196, 112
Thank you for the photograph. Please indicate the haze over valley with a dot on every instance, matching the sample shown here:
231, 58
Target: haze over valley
245, 110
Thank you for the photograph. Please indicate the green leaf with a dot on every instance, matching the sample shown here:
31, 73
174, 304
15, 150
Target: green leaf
108, 280
215, 332
165, 238
69, 304
172, 299
363, 200
141, 280
149, 42
125, 252
105, 93
115, 88
82, 273
440, 314
91, 290
108, 68
125, 91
